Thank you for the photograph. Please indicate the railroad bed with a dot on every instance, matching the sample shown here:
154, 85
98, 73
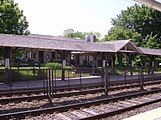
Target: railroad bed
63, 101
102, 110
44, 102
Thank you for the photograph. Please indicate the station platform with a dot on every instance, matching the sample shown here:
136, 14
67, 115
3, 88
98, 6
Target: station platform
154, 114
90, 80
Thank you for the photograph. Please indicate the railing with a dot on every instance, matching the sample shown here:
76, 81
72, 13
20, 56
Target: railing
49, 80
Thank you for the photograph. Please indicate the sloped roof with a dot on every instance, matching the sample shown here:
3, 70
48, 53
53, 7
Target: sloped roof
60, 37
62, 43
54, 43
149, 51
119, 44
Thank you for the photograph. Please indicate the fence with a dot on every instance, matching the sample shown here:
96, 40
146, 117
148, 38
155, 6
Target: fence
49, 80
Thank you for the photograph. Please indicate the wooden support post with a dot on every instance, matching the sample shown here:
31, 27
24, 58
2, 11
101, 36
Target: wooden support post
105, 75
7, 62
7, 57
130, 63
49, 90
152, 64
63, 60
103, 60
69, 55
113, 70
77, 61
141, 78
94, 63
142, 64
96, 60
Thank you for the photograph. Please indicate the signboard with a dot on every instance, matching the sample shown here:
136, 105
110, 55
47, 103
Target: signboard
7, 63
64, 63
104, 63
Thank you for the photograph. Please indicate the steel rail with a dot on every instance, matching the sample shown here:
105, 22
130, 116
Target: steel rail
29, 98
63, 108
119, 111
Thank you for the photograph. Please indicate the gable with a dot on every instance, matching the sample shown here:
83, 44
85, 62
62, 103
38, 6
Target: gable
130, 48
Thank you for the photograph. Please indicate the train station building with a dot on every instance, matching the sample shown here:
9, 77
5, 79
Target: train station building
76, 52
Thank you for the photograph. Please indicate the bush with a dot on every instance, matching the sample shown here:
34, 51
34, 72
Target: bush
53, 65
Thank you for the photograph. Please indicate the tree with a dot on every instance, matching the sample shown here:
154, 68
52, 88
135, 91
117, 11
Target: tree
70, 33
120, 33
12, 20
151, 41
141, 19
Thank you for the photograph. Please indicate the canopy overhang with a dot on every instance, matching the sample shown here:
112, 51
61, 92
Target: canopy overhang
74, 45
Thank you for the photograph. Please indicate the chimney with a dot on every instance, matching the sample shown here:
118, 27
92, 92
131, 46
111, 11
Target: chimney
91, 38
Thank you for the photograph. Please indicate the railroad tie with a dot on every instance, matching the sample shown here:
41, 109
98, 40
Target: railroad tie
62, 116
90, 111
78, 114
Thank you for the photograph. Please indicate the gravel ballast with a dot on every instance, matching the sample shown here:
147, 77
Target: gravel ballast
134, 112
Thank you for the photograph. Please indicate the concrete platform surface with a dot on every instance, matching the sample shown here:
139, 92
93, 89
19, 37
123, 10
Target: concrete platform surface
73, 81
154, 114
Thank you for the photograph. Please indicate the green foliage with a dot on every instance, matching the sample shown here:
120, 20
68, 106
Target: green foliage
139, 23
70, 33
53, 65
12, 20
140, 19
151, 41
119, 61
120, 33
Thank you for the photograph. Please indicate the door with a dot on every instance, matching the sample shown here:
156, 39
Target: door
41, 56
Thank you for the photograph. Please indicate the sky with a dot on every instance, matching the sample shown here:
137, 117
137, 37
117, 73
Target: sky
52, 17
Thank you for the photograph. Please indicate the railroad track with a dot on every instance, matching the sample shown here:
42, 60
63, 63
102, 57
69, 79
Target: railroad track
28, 103
91, 110
37, 102
38, 96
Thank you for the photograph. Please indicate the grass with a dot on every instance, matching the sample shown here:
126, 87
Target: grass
28, 73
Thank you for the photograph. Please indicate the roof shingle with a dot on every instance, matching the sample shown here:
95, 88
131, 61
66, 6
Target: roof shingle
62, 43
51, 43
149, 51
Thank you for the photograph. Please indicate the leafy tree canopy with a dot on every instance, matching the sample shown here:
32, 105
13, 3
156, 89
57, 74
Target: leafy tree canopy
120, 33
137, 20
12, 20
139, 23
151, 41
70, 33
